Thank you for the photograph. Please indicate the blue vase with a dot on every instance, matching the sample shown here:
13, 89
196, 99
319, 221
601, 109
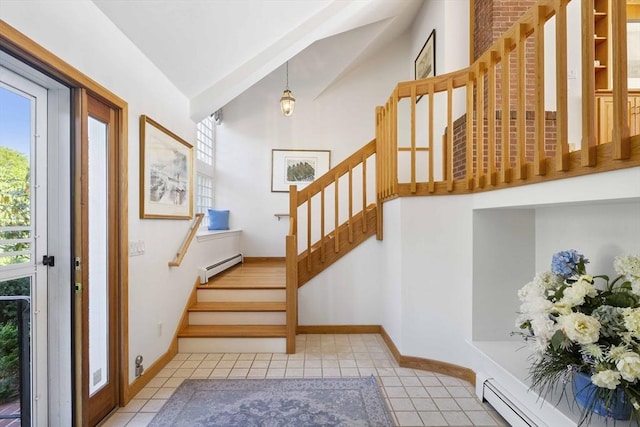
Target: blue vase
584, 392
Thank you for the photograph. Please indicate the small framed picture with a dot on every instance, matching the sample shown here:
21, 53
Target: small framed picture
297, 167
166, 173
425, 63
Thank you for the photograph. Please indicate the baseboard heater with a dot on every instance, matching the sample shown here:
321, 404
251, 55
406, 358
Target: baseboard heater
209, 271
504, 405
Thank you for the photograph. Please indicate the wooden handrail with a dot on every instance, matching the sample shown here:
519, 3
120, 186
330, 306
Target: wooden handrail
187, 241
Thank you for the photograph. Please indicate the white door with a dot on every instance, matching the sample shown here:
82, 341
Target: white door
23, 251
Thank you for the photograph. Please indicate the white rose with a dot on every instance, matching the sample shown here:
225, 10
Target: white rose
629, 366
574, 294
580, 328
606, 379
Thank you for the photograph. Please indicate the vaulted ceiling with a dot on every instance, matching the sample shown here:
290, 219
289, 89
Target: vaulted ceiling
213, 50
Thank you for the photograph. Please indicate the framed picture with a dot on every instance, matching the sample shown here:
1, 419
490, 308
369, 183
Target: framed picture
425, 63
297, 167
166, 173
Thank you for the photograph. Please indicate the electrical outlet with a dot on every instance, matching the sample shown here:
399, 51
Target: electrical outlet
136, 247
572, 75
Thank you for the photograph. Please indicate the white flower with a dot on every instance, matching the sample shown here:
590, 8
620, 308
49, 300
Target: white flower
606, 379
592, 350
632, 320
562, 307
629, 366
629, 266
548, 280
580, 328
574, 294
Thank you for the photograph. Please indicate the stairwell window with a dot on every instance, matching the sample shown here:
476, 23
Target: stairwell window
205, 166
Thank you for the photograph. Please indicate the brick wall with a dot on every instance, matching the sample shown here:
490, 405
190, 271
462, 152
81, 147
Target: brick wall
492, 19
460, 141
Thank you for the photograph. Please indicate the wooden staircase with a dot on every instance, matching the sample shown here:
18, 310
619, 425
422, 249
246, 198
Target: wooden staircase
241, 310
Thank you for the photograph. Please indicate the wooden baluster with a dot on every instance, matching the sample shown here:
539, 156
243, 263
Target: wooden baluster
480, 176
469, 131
432, 184
350, 222
588, 145
491, 118
322, 207
521, 91
364, 193
413, 139
309, 232
394, 143
621, 143
450, 135
505, 162
562, 112
539, 153
336, 231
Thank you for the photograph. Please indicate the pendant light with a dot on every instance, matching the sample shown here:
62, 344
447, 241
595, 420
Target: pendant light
287, 102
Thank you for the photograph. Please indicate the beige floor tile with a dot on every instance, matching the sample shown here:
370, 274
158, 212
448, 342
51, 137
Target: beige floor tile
134, 405
408, 418
446, 404
198, 356
239, 373
153, 405
395, 392
456, 418
331, 372
141, 420
401, 404
147, 393
164, 393
257, 373
201, 373
260, 364
481, 418
190, 364
433, 419
275, 373
173, 382
243, 364
119, 419
424, 404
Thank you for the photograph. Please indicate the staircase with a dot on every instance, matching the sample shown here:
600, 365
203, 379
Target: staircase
242, 310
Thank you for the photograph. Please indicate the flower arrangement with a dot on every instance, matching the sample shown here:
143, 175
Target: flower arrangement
580, 324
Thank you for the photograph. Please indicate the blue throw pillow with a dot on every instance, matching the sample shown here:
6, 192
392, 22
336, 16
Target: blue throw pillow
218, 220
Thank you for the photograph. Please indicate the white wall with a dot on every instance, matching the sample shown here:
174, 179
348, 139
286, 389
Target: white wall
81, 35
340, 119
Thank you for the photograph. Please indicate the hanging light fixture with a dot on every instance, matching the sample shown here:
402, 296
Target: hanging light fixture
287, 102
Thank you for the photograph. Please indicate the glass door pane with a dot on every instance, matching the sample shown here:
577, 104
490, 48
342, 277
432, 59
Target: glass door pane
98, 253
15, 352
16, 233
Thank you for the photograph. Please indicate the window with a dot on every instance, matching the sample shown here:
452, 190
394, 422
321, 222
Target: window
204, 165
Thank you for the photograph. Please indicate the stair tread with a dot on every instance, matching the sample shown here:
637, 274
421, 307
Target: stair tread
239, 306
241, 284
234, 331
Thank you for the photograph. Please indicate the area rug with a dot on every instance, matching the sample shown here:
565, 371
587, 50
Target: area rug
275, 403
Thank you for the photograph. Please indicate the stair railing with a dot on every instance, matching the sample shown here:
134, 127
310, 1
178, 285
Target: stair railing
499, 149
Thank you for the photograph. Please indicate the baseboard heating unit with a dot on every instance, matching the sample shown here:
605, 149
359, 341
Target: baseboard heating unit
505, 406
209, 271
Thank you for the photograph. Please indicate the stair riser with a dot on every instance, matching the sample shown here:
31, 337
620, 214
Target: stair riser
237, 318
232, 345
256, 295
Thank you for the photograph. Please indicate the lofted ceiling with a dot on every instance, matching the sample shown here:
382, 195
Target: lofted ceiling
213, 50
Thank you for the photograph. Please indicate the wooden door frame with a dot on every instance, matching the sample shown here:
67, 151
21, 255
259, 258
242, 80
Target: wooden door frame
26, 50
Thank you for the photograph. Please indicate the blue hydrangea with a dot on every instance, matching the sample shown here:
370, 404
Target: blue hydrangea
568, 263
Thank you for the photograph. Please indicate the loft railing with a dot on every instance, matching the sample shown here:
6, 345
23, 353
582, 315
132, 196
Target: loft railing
507, 140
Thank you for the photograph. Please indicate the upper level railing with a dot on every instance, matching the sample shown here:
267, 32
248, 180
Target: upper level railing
494, 118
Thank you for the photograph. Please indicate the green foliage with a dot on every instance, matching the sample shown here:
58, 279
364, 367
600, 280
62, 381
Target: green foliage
9, 363
15, 201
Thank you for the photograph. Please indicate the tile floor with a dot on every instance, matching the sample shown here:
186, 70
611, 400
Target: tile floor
415, 397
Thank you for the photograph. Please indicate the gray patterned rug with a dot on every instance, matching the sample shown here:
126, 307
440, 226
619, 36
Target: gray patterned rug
275, 403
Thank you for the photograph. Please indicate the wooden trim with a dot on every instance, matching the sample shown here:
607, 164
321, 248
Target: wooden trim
445, 368
263, 259
562, 114
338, 329
621, 147
36, 56
588, 145
187, 241
404, 361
